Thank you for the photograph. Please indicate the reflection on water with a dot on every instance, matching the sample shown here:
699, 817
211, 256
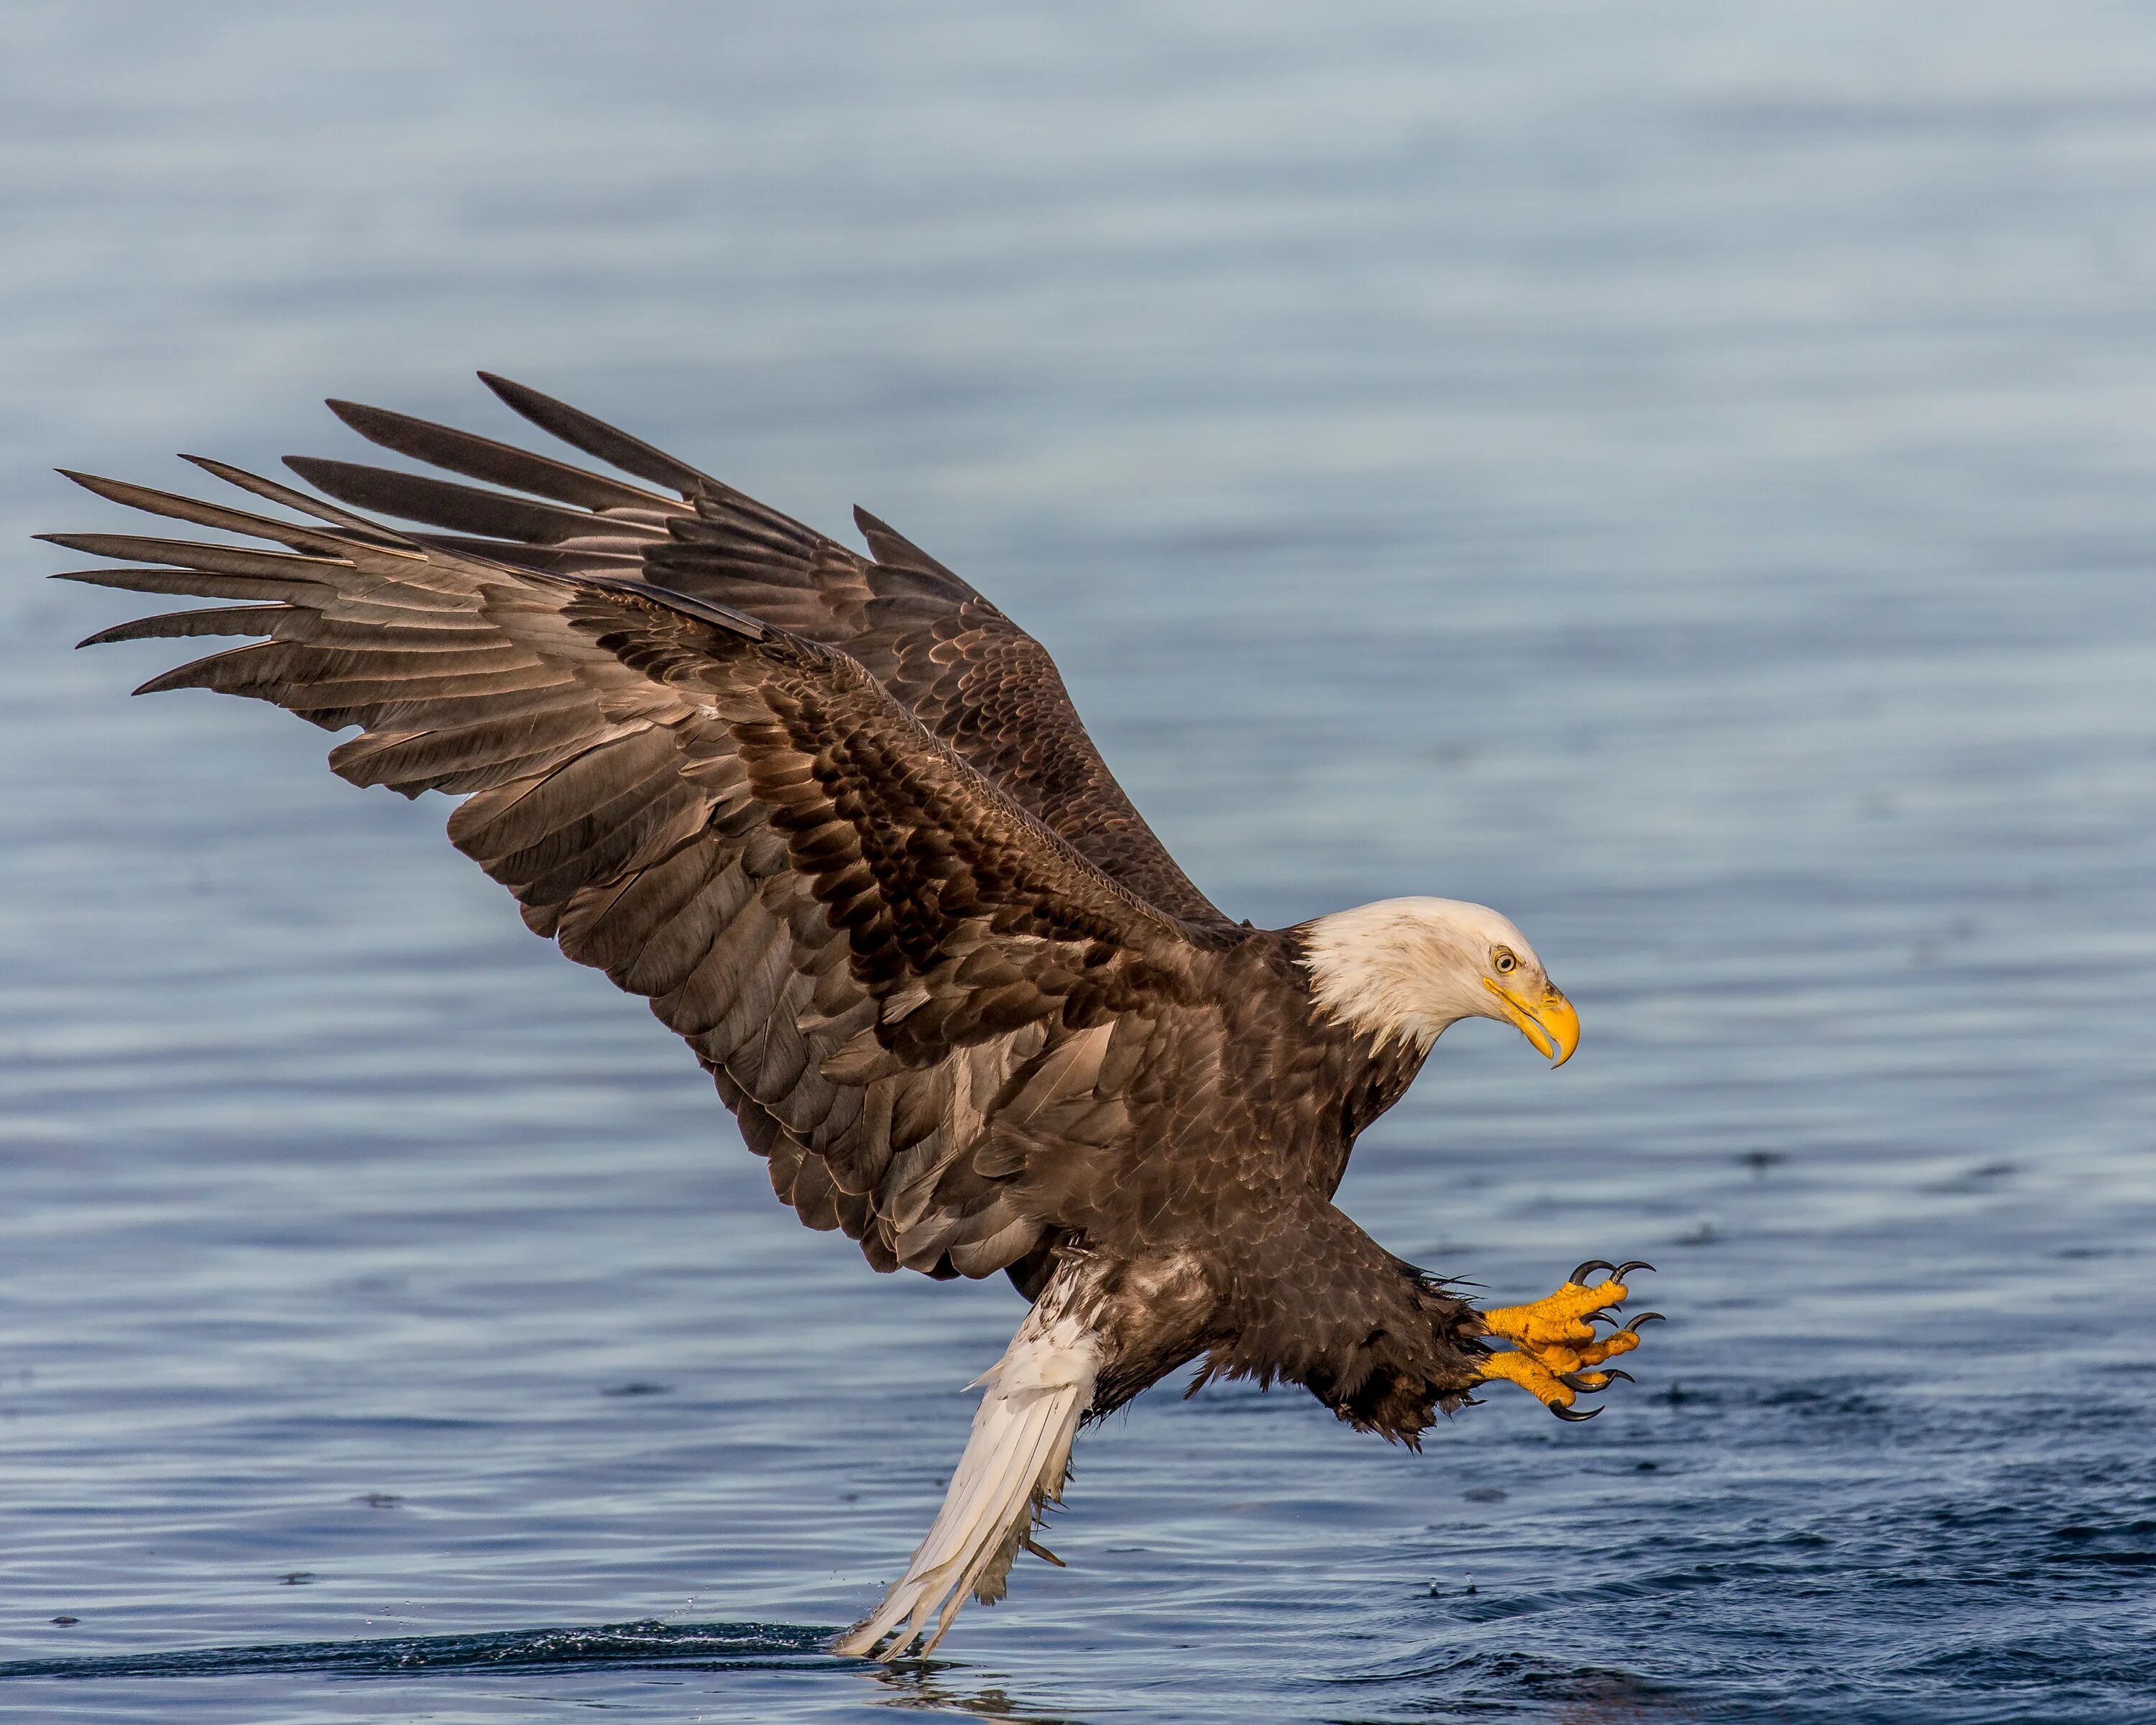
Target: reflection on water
1680, 476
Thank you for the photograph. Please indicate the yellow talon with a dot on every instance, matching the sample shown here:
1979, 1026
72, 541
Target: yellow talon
1538, 1382
1554, 1345
1624, 1341
1558, 1317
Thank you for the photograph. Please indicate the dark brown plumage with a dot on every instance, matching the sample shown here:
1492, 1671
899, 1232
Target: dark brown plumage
836, 818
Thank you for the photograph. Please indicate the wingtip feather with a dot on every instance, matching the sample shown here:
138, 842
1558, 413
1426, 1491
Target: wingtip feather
95, 484
378, 537
350, 412
596, 438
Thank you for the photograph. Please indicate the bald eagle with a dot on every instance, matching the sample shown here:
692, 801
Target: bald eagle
834, 817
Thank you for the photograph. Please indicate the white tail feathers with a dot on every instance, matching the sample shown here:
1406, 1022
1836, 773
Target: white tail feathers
1014, 1464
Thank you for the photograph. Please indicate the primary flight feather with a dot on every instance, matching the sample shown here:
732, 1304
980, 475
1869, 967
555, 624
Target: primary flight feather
836, 818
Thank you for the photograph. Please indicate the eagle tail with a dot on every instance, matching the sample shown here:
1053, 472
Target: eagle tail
1015, 1466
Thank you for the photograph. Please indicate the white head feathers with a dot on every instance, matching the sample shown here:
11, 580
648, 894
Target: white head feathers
1408, 968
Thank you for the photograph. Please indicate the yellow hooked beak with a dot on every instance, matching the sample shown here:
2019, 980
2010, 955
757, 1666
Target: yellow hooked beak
1549, 1022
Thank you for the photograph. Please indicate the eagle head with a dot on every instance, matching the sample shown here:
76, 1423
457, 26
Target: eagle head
1409, 968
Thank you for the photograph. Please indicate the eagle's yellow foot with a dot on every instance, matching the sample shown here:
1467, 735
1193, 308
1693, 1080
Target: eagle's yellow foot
1555, 1348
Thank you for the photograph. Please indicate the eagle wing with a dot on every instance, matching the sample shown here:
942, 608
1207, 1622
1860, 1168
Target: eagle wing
965, 670
908, 988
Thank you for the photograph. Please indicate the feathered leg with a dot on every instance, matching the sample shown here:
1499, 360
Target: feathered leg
1014, 1464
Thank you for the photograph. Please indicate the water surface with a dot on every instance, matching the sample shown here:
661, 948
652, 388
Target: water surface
1678, 472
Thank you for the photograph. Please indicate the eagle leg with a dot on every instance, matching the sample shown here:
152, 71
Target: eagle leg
1014, 1466
1555, 1349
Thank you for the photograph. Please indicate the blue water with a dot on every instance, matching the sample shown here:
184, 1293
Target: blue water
1681, 473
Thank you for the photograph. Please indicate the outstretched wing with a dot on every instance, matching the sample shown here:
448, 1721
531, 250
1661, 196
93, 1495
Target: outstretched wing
906, 986
966, 671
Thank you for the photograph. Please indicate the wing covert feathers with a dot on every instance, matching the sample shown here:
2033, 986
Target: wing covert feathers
903, 980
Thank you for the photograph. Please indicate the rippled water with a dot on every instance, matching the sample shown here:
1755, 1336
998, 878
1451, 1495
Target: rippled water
1680, 473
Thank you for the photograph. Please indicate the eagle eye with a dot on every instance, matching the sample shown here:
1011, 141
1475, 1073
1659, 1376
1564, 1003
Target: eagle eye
1503, 963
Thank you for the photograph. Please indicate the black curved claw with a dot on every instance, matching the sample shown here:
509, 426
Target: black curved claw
1576, 1380
1645, 1318
1578, 1277
1567, 1413
1604, 1317
1625, 1269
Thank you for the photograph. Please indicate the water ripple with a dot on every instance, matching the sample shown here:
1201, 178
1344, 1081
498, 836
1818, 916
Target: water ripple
702, 1646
